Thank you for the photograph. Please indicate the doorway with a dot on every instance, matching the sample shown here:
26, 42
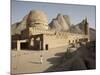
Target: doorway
46, 46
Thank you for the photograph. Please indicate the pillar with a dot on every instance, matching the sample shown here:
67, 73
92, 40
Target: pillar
40, 46
18, 45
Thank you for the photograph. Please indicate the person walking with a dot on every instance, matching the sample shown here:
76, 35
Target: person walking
41, 59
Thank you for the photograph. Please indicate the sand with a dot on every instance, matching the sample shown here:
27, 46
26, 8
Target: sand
25, 61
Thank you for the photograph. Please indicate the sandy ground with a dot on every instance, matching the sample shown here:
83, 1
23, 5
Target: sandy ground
25, 61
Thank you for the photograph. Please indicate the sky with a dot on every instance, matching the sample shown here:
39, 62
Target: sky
76, 12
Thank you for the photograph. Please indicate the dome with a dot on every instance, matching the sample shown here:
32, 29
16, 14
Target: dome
37, 16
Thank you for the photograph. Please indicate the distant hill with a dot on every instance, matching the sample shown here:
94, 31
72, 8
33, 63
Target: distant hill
60, 23
16, 28
63, 23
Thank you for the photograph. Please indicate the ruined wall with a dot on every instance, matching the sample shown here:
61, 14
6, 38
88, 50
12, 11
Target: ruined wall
53, 41
61, 39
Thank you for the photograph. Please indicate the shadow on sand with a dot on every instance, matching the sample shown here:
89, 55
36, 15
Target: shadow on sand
55, 60
81, 59
33, 62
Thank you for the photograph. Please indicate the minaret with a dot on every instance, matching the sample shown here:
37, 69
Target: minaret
86, 28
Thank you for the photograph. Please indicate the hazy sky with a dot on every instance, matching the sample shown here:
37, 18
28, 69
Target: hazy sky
76, 12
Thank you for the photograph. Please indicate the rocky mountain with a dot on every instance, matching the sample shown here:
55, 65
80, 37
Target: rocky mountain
75, 29
80, 27
16, 28
60, 23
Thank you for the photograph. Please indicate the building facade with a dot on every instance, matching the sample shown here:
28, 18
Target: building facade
38, 36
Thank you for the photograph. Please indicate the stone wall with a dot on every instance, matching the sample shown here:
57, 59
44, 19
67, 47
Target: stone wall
61, 39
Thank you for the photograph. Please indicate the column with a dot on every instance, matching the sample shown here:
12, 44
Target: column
18, 45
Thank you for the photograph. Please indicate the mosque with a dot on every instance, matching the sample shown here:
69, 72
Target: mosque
37, 35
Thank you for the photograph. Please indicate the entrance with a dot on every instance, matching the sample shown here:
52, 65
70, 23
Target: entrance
46, 46
37, 45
